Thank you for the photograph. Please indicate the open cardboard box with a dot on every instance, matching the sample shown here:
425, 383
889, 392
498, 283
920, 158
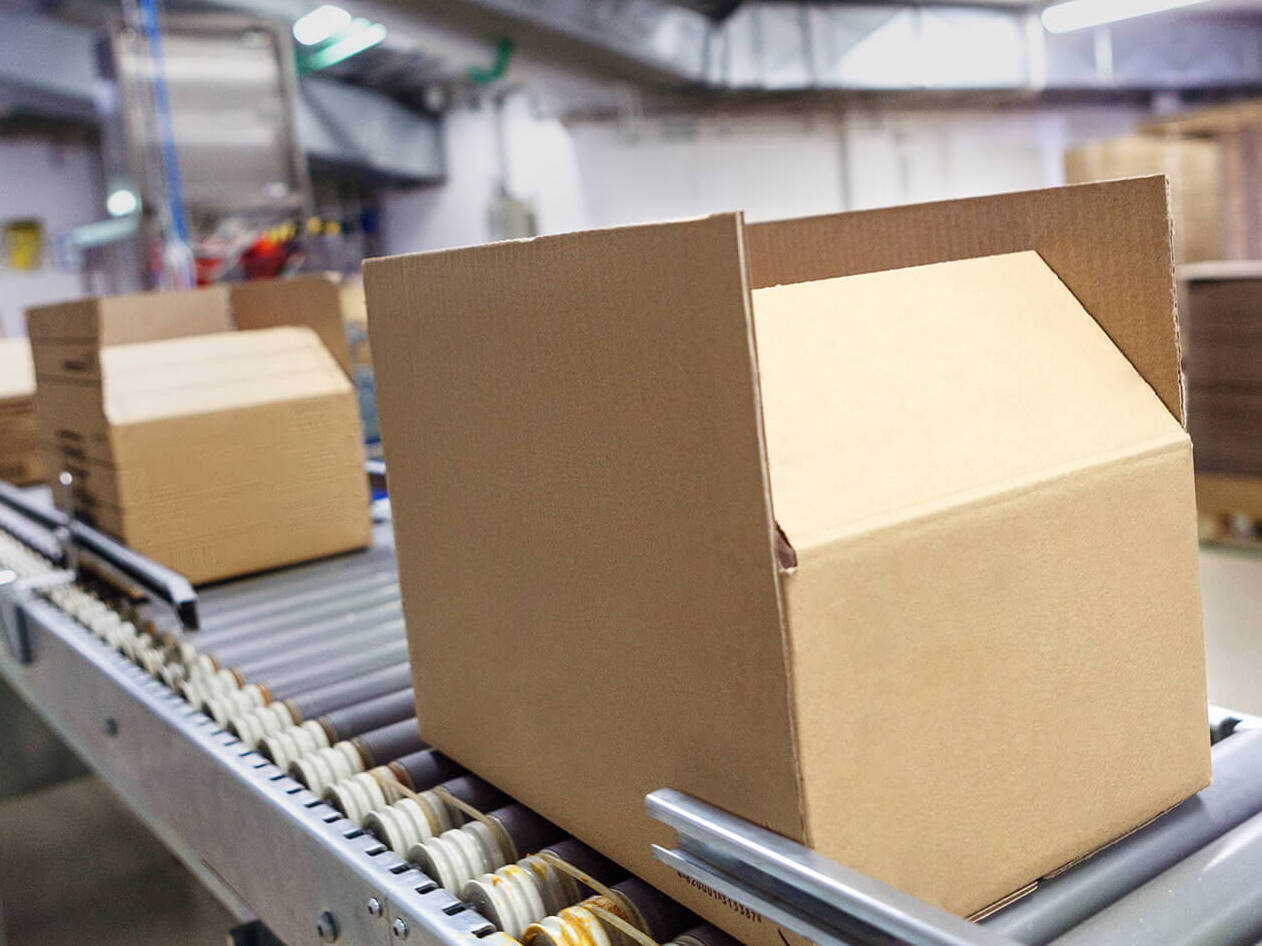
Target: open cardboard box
20, 460
216, 430
897, 562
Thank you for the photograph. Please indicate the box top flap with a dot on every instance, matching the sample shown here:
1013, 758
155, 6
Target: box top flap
577, 426
228, 370
140, 317
313, 300
1108, 242
17, 370
888, 393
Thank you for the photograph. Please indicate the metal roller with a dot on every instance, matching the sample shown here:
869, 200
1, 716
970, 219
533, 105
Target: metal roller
309, 711
287, 682
1065, 901
1213, 897
286, 745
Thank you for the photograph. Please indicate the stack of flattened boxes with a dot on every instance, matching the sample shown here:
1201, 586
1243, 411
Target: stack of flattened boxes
1221, 321
215, 431
20, 461
876, 529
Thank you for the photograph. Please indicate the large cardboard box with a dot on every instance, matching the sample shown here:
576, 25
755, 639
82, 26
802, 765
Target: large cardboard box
857, 526
20, 460
1194, 169
215, 431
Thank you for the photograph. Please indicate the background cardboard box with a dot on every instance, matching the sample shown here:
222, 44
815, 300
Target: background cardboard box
21, 462
200, 430
901, 664
1221, 331
1192, 166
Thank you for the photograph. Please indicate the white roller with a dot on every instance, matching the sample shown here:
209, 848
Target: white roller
223, 709
325, 767
455, 857
289, 745
400, 826
252, 726
358, 796
519, 894
573, 926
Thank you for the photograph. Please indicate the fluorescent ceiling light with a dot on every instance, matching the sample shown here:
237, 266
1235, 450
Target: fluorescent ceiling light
122, 202
320, 24
1079, 14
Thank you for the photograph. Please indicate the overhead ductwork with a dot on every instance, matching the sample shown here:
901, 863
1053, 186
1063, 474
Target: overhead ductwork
806, 46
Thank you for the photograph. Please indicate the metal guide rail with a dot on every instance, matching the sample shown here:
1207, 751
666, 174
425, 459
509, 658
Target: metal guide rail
271, 848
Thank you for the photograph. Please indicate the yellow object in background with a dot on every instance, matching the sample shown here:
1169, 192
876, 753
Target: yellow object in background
23, 244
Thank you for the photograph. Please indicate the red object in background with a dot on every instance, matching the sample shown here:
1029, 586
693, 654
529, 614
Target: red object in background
266, 258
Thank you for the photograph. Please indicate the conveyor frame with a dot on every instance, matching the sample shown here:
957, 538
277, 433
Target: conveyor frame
263, 844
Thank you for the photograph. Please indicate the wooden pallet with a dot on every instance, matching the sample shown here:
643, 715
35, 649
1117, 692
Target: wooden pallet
1229, 510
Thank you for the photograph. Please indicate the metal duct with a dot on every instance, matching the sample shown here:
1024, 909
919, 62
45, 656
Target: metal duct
47, 67
803, 46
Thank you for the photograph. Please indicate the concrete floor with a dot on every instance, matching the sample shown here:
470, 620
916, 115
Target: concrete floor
1231, 589
76, 867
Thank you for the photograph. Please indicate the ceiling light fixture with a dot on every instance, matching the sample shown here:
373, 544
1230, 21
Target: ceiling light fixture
320, 24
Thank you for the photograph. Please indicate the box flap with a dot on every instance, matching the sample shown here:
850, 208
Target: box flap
1001, 378
576, 427
313, 300
1108, 242
17, 370
176, 377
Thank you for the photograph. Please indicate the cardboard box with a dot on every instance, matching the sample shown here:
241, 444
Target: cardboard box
199, 435
1194, 169
20, 460
1221, 328
859, 552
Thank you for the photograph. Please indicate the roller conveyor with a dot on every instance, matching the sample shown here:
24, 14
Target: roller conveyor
344, 863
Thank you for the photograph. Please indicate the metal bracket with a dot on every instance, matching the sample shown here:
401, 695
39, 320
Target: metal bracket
14, 593
797, 888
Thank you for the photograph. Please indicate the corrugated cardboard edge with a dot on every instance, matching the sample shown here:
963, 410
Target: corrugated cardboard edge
783, 552
1108, 242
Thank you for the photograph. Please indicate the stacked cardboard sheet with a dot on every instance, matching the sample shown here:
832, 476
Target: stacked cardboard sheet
1193, 168
20, 461
854, 526
1222, 359
209, 444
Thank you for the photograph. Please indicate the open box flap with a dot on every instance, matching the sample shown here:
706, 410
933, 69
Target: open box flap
608, 473
1108, 242
888, 394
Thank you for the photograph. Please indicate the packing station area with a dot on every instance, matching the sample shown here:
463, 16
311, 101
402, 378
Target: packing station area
631, 473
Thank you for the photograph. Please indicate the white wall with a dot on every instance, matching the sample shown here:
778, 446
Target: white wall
56, 183
621, 168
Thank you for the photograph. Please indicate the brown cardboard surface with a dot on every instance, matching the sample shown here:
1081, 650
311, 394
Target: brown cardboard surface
1192, 167
141, 317
574, 427
616, 535
314, 300
989, 404
1108, 242
1219, 494
214, 453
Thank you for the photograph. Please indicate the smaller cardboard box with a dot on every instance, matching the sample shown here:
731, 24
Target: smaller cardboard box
855, 526
215, 431
20, 459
